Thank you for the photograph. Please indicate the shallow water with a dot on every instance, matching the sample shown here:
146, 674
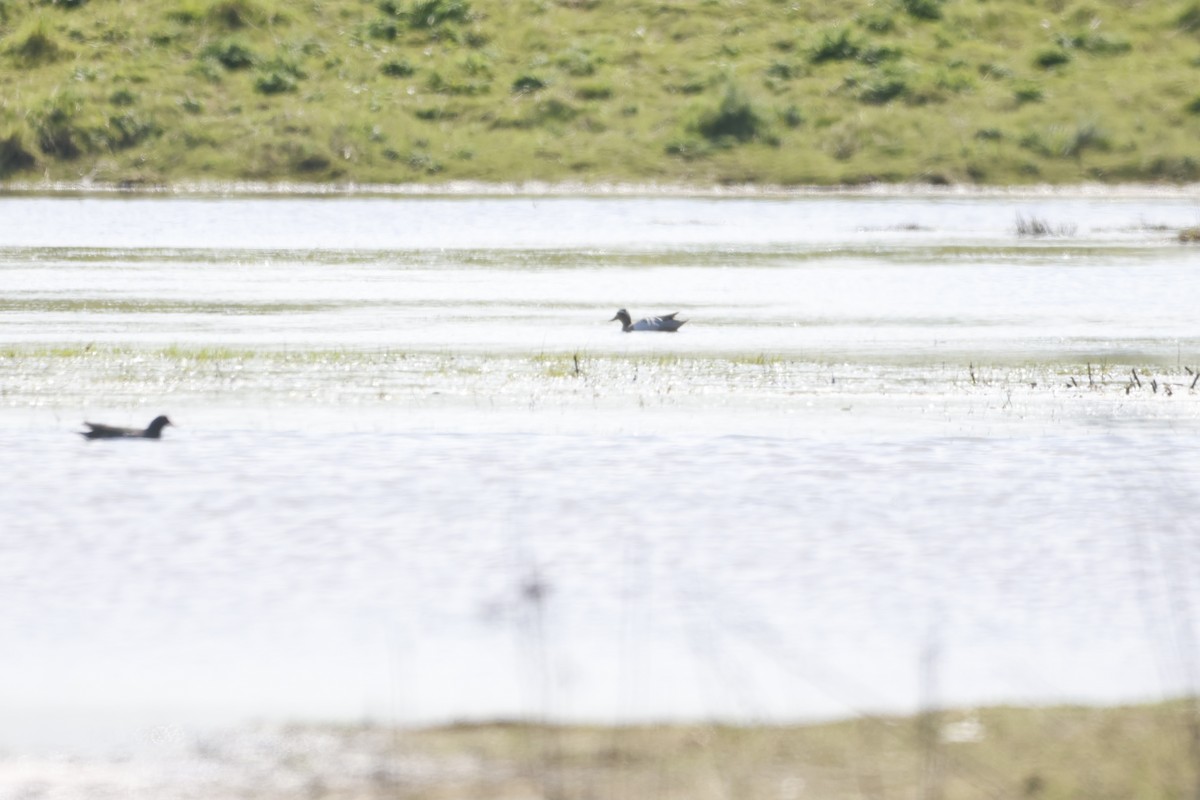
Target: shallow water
417, 475
817, 278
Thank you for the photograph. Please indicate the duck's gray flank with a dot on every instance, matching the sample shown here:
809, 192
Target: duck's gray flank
98, 431
666, 323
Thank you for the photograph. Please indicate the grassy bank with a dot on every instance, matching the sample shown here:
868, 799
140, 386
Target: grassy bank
1047, 753
704, 91
1052, 753
1064, 752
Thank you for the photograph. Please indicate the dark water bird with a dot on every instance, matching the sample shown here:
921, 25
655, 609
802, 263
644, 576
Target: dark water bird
666, 323
98, 431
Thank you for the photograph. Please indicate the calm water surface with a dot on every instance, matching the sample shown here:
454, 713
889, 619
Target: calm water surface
392, 496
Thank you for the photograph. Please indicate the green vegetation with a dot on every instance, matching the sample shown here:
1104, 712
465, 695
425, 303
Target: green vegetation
714, 91
1050, 753
1033, 226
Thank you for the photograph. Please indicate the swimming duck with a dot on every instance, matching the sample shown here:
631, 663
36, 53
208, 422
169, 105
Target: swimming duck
666, 323
98, 431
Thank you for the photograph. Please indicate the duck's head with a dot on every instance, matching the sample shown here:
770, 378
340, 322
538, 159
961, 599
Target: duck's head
157, 425
622, 315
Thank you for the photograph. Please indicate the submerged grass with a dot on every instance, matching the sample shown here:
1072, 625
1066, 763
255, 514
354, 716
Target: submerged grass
554, 360
804, 393
1035, 226
98, 306
197, 354
944, 91
88, 368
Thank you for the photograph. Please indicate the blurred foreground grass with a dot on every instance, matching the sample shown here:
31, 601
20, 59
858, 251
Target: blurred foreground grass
1145, 751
